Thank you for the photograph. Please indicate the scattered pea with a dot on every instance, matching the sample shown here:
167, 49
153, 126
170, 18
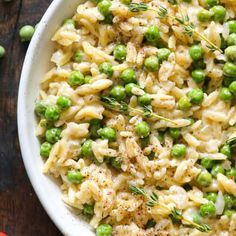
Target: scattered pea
128, 76
142, 129
86, 149
232, 26
94, 126
184, 104
229, 213
212, 3
120, 52
70, 22
118, 92
196, 52
163, 54
126, 2
45, 149
40, 108
74, 176
78, 56
198, 75
152, 34
204, 15
106, 68
26, 33
231, 40
115, 163
229, 69
231, 173
207, 163
88, 209
52, 113
129, 87
196, 96
151, 64
219, 13
211, 197
178, 151
2, 51
225, 94
229, 201
144, 100
53, 135
107, 133
226, 150
63, 102
88, 79
207, 210
104, 230
216, 169
230, 53
104, 7
204, 179
174, 133
76, 78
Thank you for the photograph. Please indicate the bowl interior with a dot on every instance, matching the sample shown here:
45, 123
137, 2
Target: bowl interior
37, 63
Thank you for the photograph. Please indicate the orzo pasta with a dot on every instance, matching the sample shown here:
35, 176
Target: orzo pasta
137, 116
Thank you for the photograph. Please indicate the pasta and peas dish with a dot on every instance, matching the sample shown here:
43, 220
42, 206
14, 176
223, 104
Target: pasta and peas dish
137, 116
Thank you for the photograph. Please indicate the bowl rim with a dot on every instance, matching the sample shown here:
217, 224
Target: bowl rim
21, 111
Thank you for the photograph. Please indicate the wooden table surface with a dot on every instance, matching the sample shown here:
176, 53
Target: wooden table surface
21, 213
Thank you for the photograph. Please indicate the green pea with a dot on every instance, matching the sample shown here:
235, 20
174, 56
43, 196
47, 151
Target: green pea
52, 113
115, 163
76, 78
178, 151
128, 76
45, 149
216, 169
69, 22
160, 137
104, 7
229, 201
184, 104
118, 92
88, 209
207, 163
108, 19
94, 126
219, 13
26, 33
207, 210
229, 69
106, 68
198, 76
225, 94
129, 87
229, 213
226, 150
211, 197
204, 15
151, 64
2, 51
107, 133
126, 2
200, 64
231, 40
232, 26
144, 100
86, 149
78, 56
40, 108
196, 218
142, 129
75, 177
88, 79
204, 179
212, 3
63, 102
152, 34
231, 173
196, 52
227, 81
230, 53
174, 133
196, 96
150, 224
163, 54
232, 88
53, 135
104, 230
120, 52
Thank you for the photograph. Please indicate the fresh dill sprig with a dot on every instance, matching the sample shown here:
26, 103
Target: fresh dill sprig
123, 107
162, 12
152, 200
136, 7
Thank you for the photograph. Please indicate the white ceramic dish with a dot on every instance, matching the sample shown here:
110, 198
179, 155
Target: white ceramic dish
35, 66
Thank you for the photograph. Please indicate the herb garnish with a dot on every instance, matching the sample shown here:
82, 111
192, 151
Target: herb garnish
123, 107
136, 7
152, 200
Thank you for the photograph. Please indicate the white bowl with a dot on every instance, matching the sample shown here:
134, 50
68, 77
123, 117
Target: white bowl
35, 66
